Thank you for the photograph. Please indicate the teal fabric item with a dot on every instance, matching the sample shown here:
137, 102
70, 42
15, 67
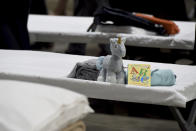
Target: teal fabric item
99, 62
162, 77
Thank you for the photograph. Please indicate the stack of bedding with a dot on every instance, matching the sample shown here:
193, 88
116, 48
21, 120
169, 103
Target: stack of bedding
27, 106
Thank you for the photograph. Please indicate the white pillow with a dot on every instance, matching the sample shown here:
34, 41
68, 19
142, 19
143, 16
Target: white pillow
28, 106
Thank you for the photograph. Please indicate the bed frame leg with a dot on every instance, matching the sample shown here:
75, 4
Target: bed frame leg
188, 125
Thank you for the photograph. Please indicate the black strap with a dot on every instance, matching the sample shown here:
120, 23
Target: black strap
123, 18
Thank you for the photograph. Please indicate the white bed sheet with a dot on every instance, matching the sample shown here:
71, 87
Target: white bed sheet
52, 69
67, 29
26, 106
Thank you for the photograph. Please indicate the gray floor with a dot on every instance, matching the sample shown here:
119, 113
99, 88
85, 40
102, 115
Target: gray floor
104, 122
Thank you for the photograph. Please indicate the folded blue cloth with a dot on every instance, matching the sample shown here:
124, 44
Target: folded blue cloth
162, 77
99, 62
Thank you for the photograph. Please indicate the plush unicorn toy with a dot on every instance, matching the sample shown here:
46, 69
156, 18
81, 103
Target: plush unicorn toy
112, 69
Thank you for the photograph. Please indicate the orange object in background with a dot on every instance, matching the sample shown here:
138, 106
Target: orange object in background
170, 27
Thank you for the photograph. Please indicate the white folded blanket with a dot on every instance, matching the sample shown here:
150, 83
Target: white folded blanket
26, 106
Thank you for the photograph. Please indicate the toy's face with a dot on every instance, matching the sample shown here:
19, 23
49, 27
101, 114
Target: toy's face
117, 47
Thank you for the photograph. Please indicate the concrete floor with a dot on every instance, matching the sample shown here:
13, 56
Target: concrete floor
104, 122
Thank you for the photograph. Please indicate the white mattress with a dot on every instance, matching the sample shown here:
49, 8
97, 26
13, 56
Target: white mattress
52, 69
67, 29
26, 106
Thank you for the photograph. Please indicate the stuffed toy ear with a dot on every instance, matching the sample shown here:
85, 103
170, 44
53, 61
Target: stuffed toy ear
123, 40
112, 41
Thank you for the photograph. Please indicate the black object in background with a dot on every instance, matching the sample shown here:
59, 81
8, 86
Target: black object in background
124, 18
166, 9
13, 24
39, 7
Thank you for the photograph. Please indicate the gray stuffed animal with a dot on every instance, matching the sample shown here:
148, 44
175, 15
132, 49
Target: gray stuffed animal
112, 70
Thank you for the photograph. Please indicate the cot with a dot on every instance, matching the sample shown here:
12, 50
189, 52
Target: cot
67, 29
52, 69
